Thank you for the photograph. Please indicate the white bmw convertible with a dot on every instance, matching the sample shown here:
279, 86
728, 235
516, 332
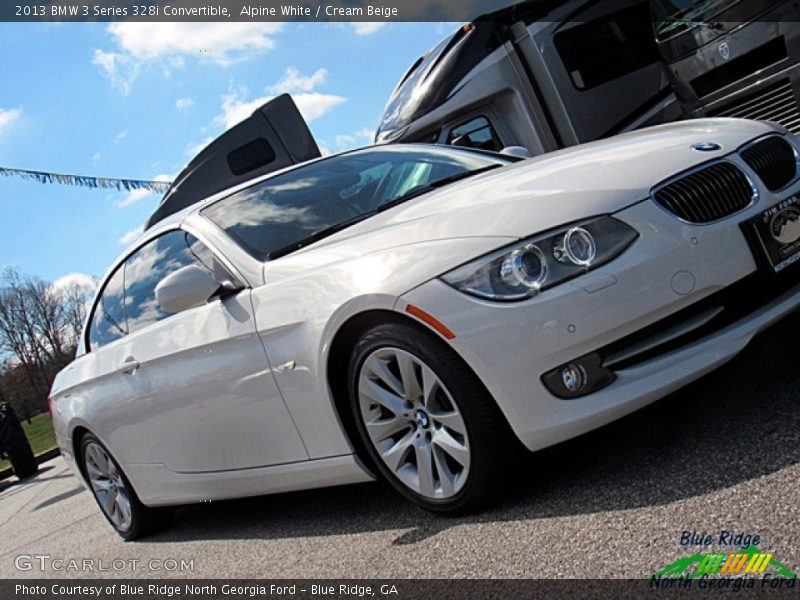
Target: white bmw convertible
414, 312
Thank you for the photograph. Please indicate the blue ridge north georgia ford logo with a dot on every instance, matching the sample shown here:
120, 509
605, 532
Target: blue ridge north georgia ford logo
785, 225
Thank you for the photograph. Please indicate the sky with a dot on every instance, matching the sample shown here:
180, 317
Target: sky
139, 100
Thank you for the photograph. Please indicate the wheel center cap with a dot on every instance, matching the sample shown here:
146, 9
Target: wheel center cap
422, 418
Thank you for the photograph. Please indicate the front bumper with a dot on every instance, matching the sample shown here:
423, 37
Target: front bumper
672, 266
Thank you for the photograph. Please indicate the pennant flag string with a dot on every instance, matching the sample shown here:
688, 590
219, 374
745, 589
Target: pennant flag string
126, 185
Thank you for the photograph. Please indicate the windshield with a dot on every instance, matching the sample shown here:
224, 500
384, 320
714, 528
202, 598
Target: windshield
412, 91
278, 214
673, 16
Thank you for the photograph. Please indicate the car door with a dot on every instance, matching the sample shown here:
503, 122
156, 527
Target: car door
101, 387
200, 390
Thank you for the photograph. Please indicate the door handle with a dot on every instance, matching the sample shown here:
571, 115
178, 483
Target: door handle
128, 366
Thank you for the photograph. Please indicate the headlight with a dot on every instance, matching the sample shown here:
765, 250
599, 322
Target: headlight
523, 270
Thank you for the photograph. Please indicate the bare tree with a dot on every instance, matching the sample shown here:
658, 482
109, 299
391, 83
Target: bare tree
16, 329
75, 299
39, 326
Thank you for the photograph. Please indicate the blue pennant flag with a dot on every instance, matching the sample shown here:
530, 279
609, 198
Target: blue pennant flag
128, 185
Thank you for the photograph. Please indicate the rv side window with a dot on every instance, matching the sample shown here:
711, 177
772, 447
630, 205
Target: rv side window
476, 133
251, 156
598, 51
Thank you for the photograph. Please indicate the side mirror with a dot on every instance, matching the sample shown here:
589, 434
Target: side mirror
520, 151
187, 287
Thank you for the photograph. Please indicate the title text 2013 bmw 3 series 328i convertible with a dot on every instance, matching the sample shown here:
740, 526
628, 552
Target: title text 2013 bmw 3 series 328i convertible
412, 311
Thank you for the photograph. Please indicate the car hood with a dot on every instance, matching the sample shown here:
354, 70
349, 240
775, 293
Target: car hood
538, 194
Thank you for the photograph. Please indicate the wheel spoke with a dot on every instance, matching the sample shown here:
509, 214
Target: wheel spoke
108, 501
374, 392
452, 420
446, 477
455, 449
101, 485
99, 459
103, 463
394, 456
386, 428
380, 368
124, 510
114, 514
408, 374
424, 468
430, 385
93, 470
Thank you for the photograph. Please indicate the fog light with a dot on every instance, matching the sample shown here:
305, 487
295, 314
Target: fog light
579, 377
574, 377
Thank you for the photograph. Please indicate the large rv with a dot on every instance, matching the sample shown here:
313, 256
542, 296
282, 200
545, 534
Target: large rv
543, 75
546, 74
549, 74
733, 58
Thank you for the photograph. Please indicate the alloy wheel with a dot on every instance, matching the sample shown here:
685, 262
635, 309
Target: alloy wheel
414, 423
108, 486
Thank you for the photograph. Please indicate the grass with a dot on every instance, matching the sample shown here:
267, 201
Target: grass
40, 435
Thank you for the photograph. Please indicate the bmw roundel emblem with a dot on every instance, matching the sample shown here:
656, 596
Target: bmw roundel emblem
706, 146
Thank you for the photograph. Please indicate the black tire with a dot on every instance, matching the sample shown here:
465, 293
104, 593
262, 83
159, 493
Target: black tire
491, 441
143, 520
15, 444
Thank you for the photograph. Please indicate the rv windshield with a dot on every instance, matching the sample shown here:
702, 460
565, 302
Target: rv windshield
412, 91
671, 17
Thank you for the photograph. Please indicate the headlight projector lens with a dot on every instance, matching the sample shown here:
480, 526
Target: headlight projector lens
526, 266
577, 247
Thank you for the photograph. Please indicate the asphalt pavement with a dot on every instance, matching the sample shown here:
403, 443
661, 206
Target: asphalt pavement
720, 455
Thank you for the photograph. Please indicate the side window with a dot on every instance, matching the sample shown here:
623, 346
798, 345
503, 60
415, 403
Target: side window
476, 133
596, 52
149, 265
201, 252
108, 320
